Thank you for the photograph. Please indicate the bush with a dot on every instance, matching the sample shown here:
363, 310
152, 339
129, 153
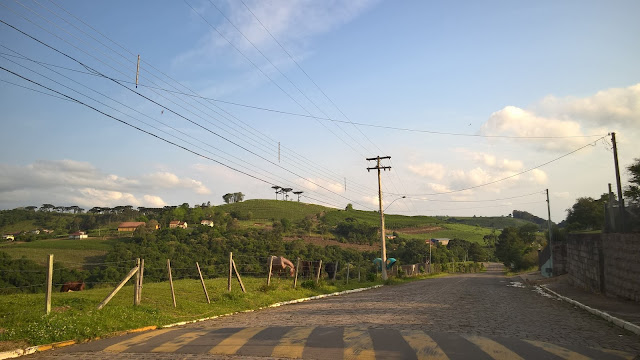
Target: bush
371, 277
309, 284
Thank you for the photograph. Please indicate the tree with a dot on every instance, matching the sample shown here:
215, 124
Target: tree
227, 198
632, 191
238, 197
277, 189
586, 214
46, 207
349, 207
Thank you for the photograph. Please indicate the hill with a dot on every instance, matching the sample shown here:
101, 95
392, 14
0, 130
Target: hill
273, 209
493, 222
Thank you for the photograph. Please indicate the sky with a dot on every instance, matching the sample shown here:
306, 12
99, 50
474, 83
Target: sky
480, 105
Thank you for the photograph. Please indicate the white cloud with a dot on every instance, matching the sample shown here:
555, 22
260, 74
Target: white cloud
539, 177
617, 105
514, 121
69, 182
431, 170
493, 162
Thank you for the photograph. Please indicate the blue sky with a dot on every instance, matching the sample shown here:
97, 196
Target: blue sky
498, 68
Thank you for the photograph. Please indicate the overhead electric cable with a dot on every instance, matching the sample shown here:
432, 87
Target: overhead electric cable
487, 200
510, 176
294, 154
177, 114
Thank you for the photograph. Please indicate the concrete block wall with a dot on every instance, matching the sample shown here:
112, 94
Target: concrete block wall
622, 265
583, 261
604, 263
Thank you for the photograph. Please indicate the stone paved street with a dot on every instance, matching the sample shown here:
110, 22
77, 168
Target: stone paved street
473, 306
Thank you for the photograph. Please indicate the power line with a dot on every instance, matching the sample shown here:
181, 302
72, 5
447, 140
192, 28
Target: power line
172, 111
252, 130
510, 176
487, 200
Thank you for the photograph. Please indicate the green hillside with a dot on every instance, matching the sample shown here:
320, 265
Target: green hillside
275, 209
63, 250
495, 222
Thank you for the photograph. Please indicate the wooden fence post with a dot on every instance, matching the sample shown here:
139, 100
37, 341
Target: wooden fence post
202, 282
47, 299
319, 269
270, 268
335, 271
173, 294
230, 271
358, 271
141, 271
115, 291
238, 276
295, 279
348, 265
136, 286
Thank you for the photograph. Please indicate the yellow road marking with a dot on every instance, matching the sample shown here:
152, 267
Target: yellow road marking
180, 341
292, 343
424, 346
358, 344
622, 354
124, 345
233, 343
558, 350
492, 348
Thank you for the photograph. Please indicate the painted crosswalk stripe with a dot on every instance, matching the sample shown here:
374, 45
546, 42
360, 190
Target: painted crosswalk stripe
423, 345
136, 340
230, 345
492, 348
558, 350
358, 344
292, 343
180, 341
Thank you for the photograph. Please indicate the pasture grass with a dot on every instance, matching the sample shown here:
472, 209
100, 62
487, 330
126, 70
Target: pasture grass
74, 315
266, 210
454, 231
64, 250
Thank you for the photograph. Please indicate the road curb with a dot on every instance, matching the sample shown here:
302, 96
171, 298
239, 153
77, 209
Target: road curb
612, 319
39, 348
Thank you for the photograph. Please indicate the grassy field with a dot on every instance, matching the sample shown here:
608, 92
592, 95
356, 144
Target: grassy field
63, 250
496, 222
74, 315
275, 209
24, 225
373, 218
452, 231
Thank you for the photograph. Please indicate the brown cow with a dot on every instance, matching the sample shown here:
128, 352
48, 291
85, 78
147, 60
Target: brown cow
280, 263
72, 286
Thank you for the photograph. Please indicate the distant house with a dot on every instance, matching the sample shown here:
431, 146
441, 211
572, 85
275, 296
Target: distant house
130, 226
207, 223
177, 224
440, 241
8, 237
78, 235
48, 231
391, 237
36, 231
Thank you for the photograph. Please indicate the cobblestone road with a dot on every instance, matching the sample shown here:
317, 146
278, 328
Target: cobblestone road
484, 308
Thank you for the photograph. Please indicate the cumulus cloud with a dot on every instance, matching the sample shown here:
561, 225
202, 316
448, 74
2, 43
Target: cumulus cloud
514, 121
430, 170
617, 105
494, 162
81, 183
318, 184
569, 116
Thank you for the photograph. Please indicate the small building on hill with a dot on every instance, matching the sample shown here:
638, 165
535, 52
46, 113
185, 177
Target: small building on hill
177, 224
78, 235
8, 237
207, 222
130, 226
440, 241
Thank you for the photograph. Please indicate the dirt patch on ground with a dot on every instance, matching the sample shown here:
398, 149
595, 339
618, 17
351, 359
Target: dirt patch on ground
13, 345
320, 241
419, 230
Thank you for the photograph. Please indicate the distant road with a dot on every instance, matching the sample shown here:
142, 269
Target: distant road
472, 316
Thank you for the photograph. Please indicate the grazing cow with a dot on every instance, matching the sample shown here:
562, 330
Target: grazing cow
330, 269
280, 263
72, 286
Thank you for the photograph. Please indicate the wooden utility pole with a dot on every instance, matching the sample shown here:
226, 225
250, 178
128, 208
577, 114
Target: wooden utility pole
270, 268
620, 198
550, 233
230, 271
136, 286
383, 235
173, 293
47, 308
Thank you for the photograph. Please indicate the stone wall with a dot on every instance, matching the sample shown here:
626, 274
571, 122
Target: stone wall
622, 265
603, 263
